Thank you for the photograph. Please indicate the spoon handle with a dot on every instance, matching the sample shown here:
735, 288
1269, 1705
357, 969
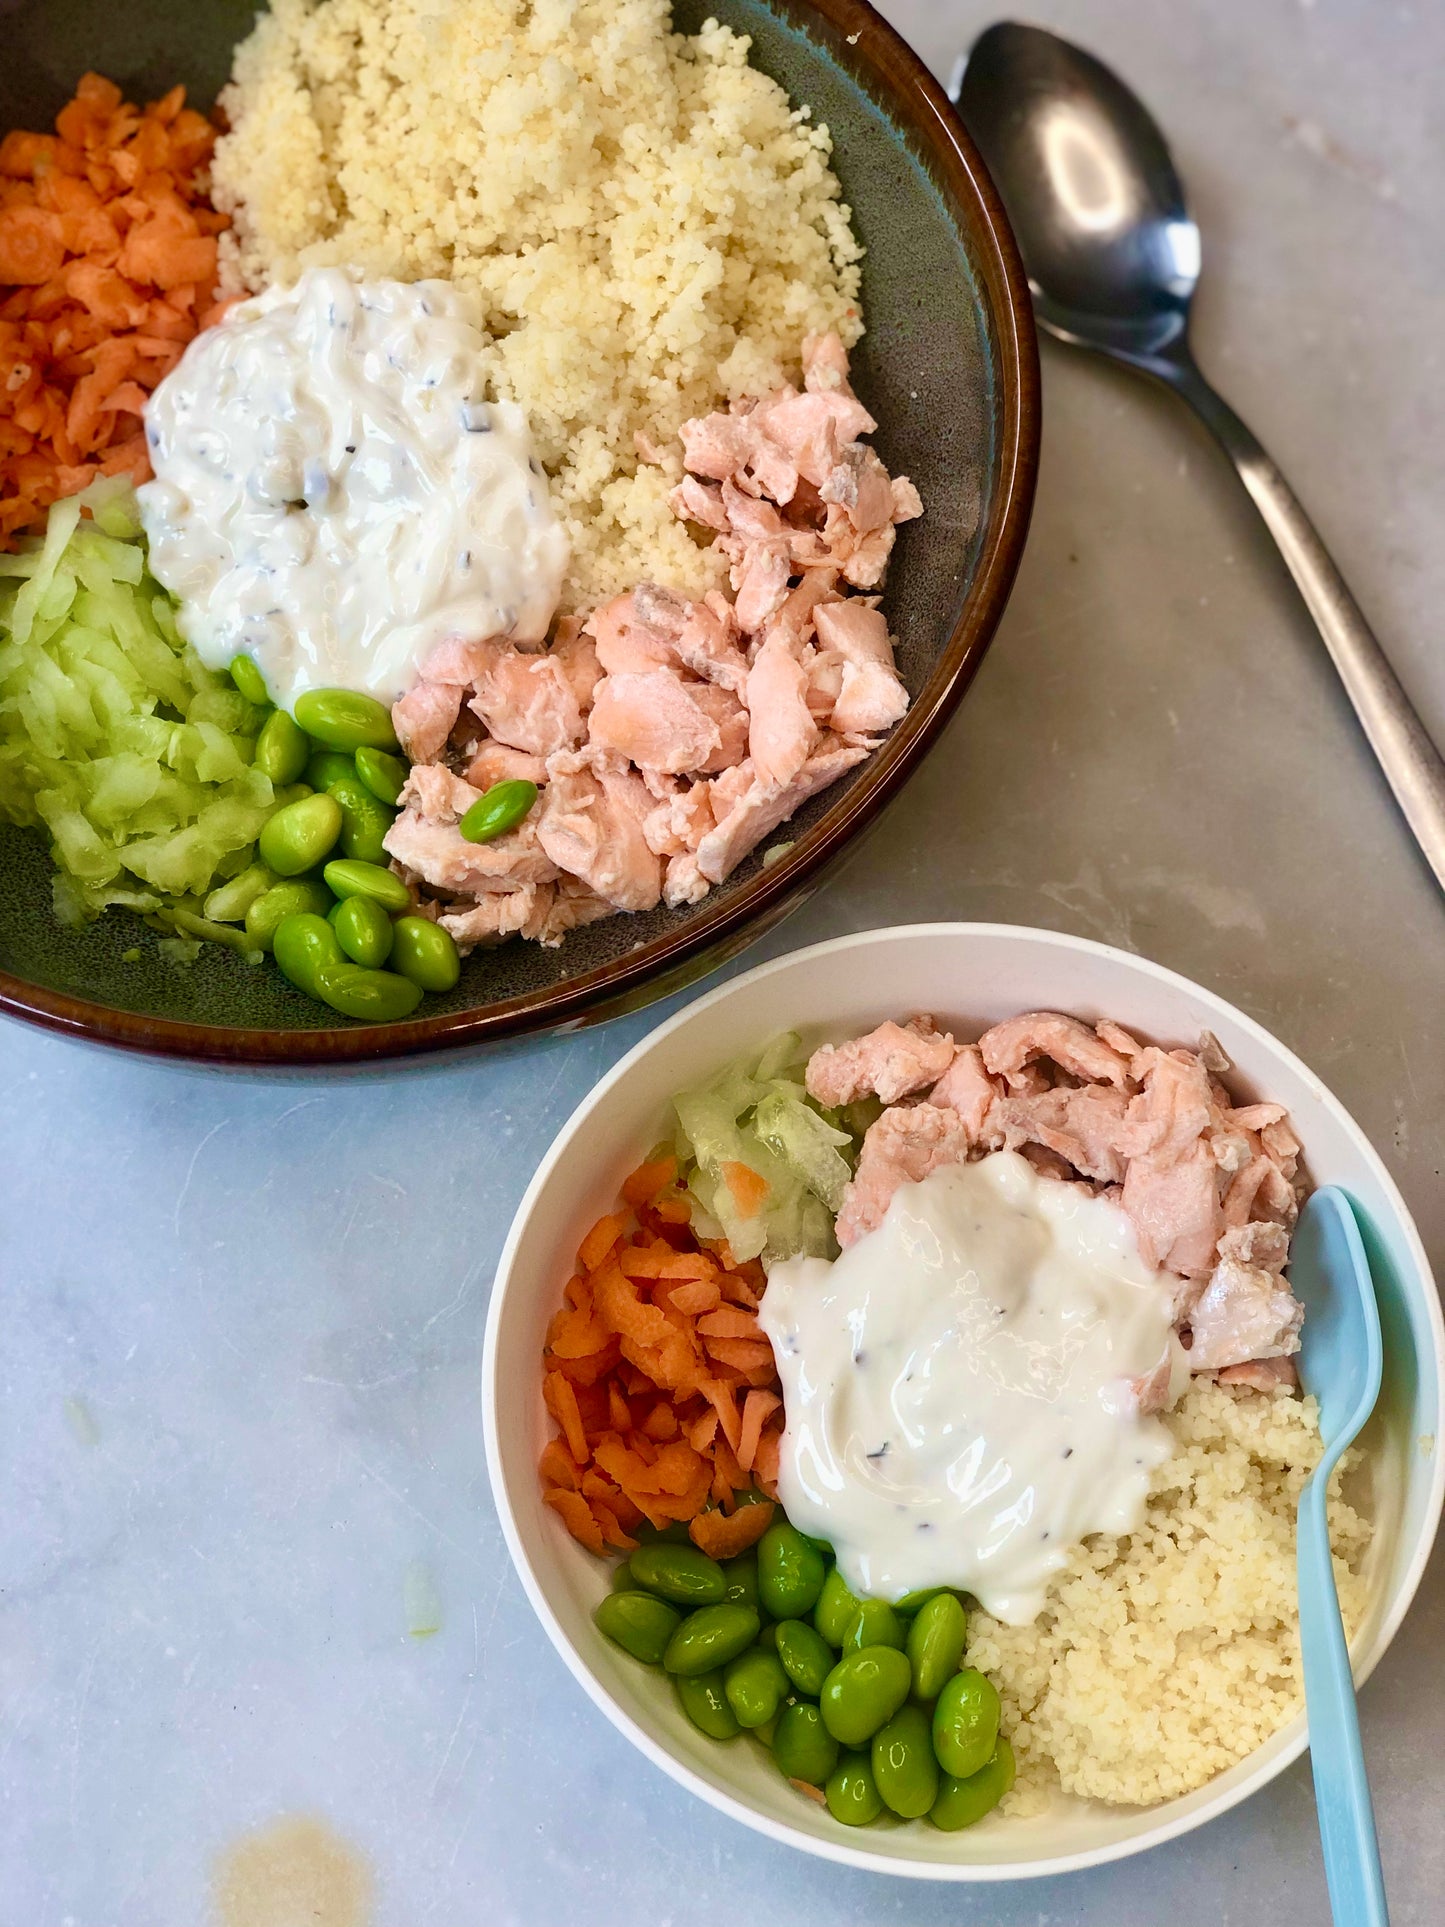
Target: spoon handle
1342, 1791
1411, 763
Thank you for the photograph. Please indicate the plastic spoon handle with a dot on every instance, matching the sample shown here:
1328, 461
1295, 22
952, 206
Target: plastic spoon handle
1342, 1792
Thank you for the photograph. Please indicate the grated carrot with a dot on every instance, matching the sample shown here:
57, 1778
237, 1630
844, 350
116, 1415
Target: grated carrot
659, 1380
108, 263
723, 1536
748, 1188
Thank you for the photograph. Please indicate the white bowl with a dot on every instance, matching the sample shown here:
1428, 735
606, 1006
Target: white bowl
969, 975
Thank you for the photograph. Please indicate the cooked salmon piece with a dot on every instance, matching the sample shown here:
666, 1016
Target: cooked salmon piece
654, 720
825, 364
424, 718
566, 906
707, 643
761, 580
1260, 1190
637, 631
1080, 1125
1064, 1040
492, 918
859, 484
528, 703
677, 823
1175, 1210
1263, 1246
1243, 1314
967, 1088
1262, 1375
901, 1147
1174, 1108
591, 822
697, 501
811, 428
462, 661
763, 806
891, 1062
437, 793
781, 730
575, 654
440, 855
500, 763
871, 696
733, 724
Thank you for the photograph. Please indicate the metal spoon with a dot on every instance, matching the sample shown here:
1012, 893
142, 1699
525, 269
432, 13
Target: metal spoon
1113, 260
1340, 1364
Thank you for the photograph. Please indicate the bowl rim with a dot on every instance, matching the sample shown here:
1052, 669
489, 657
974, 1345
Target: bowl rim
878, 58
844, 1852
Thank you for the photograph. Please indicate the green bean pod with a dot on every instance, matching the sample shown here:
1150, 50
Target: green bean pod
345, 719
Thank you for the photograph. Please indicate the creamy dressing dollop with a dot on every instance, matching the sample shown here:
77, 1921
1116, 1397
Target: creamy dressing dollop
955, 1385
334, 495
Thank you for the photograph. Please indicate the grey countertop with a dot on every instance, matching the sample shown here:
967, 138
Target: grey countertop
242, 1320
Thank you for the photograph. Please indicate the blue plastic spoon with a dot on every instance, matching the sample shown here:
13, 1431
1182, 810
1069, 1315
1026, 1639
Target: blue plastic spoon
1340, 1362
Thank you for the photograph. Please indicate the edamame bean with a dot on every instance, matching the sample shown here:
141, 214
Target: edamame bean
229, 902
282, 900
282, 750
325, 765
346, 877
863, 1692
622, 1579
297, 837
904, 1769
741, 1574
639, 1622
756, 1686
935, 1644
363, 929
835, 1607
306, 950
426, 953
961, 1802
365, 819
383, 775
499, 810
681, 1573
913, 1602
709, 1638
345, 719
852, 1793
802, 1746
807, 1657
965, 1723
248, 679
705, 1703
874, 1624
375, 996
790, 1572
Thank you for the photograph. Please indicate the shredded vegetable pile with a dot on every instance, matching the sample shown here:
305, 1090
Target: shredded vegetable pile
114, 736
764, 1165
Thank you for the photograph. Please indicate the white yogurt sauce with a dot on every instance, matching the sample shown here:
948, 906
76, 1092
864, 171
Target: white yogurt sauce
333, 496
952, 1385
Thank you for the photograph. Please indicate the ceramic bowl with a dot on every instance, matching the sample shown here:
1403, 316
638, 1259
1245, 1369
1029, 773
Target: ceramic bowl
970, 975
949, 366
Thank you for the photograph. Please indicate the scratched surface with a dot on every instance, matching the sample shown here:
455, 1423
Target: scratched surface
242, 1321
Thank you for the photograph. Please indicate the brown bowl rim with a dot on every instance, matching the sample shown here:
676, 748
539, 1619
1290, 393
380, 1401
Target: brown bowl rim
887, 67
